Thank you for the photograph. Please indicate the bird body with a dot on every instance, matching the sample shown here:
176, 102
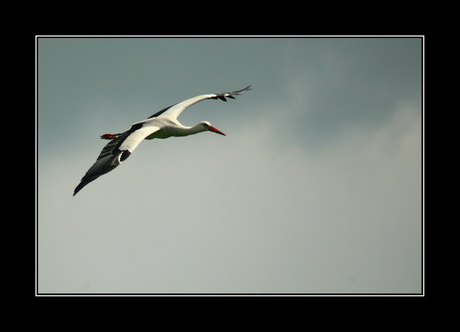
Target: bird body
162, 124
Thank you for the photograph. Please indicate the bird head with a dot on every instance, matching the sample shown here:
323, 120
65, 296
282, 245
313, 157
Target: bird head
206, 126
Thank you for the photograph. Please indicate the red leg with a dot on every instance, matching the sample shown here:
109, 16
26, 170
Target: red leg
109, 136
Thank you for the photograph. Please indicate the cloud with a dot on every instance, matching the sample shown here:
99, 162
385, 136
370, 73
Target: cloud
231, 214
315, 188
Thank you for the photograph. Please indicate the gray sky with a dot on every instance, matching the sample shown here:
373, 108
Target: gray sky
315, 189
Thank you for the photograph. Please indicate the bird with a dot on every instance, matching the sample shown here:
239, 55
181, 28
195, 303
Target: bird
162, 124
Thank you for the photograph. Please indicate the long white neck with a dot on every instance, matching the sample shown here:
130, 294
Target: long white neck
186, 131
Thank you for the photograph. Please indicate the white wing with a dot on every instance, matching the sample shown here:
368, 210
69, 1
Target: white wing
132, 141
175, 110
117, 151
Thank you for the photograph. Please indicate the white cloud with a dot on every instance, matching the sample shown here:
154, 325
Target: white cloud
231, 214
316, 188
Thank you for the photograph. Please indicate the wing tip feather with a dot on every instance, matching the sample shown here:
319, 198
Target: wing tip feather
222, 95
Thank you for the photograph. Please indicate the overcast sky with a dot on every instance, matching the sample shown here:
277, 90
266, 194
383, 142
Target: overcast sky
315, 189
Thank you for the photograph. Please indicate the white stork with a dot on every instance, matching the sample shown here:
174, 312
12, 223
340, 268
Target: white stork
162, 124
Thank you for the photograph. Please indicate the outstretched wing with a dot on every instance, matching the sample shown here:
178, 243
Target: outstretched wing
175, 110
116, 151
121, 147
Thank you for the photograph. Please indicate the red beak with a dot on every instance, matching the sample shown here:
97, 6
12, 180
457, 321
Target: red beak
217, 131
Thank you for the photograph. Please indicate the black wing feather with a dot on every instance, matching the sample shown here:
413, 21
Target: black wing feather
222, 95
109, 158
160, 112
